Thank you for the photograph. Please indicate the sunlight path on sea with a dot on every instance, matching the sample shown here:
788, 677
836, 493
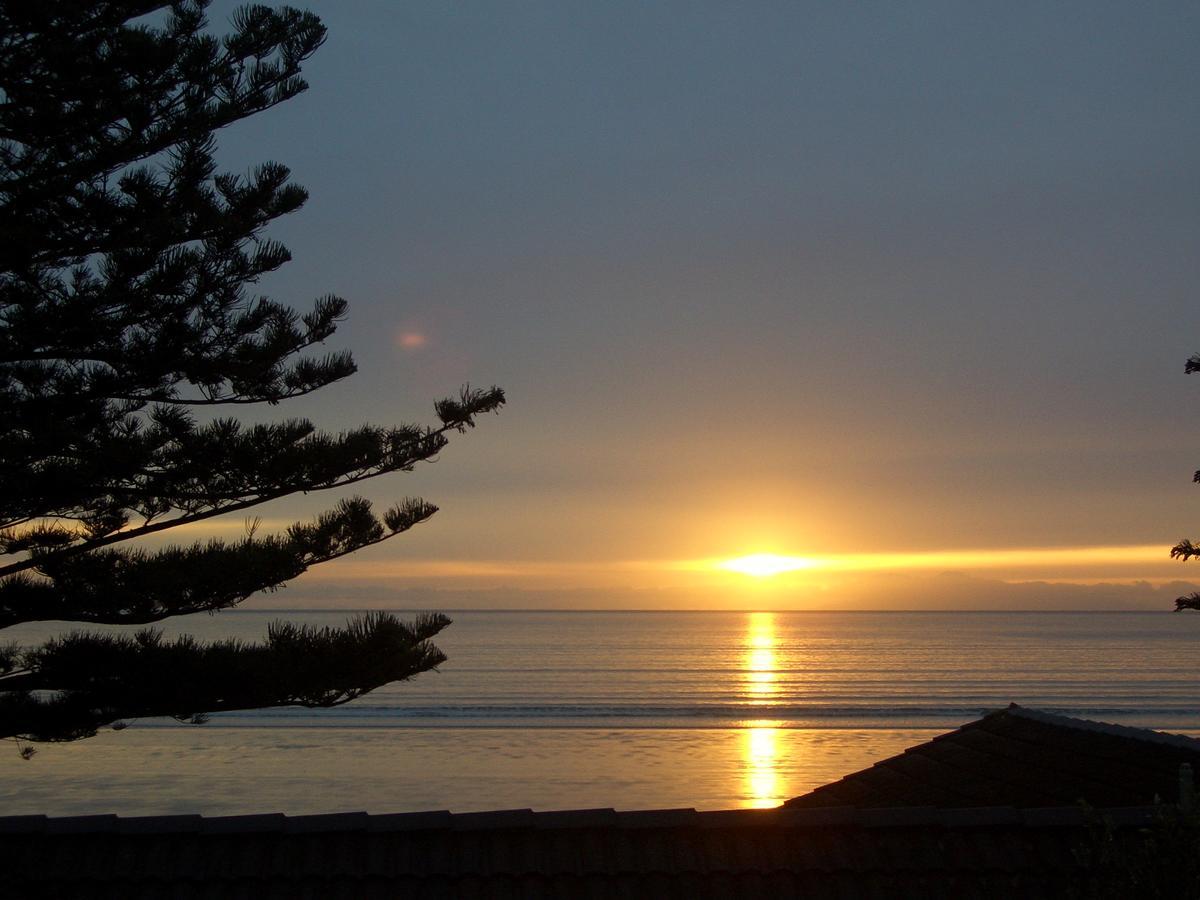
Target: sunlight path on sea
761, 754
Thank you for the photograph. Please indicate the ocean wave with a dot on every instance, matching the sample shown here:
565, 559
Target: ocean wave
606, 715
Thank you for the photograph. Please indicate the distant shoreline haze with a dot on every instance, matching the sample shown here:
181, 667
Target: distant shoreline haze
899, 593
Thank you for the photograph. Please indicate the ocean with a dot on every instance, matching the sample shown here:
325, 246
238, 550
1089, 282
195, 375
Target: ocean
632, 710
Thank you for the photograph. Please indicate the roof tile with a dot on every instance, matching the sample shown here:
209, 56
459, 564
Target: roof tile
503, 818
900, 816
243, 824
348, 821
81, 824
975, 816
657, 818
9, 824
413, 821
184, 824
576, 818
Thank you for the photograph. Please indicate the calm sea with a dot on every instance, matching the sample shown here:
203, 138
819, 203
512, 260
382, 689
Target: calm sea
555, 710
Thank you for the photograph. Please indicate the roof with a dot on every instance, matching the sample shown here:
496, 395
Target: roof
810, 853
1023, 758
989, 810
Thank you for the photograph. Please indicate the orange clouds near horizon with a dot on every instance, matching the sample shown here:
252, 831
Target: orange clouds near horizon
1067, 564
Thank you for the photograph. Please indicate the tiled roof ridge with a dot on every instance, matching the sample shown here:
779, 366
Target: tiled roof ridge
780, 817
1124, 731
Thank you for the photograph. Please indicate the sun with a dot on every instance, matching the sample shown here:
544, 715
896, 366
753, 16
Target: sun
765, 565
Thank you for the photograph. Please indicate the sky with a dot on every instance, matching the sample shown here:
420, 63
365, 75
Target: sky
902, 292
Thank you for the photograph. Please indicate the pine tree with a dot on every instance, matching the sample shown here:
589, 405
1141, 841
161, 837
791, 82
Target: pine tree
127, 267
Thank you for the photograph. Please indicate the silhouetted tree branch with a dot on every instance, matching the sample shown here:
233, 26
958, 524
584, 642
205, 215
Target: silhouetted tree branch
1185, 549
95, 680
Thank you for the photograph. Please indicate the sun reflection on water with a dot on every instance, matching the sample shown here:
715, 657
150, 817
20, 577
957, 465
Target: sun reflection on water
760, 749
762, 785
759, 660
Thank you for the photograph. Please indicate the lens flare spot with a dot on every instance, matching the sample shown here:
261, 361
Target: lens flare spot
411, 340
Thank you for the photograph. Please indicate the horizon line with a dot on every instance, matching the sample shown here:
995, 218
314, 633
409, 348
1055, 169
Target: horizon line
536, 609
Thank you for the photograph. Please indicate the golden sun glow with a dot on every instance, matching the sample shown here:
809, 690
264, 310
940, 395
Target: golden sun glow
768, 565
764, 565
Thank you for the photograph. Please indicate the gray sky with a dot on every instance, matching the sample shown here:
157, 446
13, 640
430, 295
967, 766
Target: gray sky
783, 277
